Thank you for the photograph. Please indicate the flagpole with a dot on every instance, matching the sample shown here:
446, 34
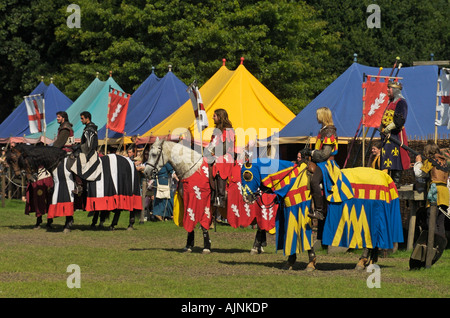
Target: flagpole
107, 120
363, 124
45, 121
437, 104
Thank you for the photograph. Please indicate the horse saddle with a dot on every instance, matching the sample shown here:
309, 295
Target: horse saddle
87, 168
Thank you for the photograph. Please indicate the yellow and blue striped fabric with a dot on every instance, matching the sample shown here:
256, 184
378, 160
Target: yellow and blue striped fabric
363, 209
293, 225
336, 186
371, 218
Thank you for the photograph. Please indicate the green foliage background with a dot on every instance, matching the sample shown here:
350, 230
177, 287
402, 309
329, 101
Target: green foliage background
295, 48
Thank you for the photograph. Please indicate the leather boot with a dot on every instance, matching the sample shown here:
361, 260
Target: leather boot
221, 194
396, 176
78, 186
317, 213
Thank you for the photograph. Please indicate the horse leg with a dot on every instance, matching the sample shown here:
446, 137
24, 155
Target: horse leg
373, 257
103, 216
132, 220
312, 261
94, 219
189, 242
68, 224
49, 224
290, 262
364, 259
260, 241
38, 222
206, 241
115, 220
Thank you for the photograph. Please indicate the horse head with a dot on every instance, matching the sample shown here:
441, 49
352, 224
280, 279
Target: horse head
17, 159
156, 159
250, 181
27, 160
266, 175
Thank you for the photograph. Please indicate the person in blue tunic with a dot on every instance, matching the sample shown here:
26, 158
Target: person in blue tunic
163, 204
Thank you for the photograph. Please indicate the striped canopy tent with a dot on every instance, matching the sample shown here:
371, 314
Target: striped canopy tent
154, 100
345, 99
94, 99
16, 125
252, 109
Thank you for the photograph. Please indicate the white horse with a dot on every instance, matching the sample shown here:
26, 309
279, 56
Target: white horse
192, 171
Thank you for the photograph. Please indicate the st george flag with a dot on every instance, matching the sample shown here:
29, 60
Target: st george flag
443, 108
117, 110
376, 100
199, 109
35, 105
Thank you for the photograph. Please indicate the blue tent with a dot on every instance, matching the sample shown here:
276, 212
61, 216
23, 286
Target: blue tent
155, 100
344, 98
94, 99
16, 124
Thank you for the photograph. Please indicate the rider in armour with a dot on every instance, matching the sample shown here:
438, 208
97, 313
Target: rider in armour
323, 156
88, 147
89, 139
394, 159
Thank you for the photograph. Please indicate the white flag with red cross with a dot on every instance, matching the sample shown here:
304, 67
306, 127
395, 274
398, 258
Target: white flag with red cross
199, 110
35, 105
443, 108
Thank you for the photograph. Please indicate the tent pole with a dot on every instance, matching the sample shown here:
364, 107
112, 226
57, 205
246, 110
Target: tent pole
107, 115
363, 121
106, 141
349, 150
437, 104
369, 146
364, 146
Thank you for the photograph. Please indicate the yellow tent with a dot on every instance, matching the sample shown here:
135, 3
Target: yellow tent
252, 109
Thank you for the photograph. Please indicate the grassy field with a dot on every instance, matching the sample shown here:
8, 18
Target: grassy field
147, 263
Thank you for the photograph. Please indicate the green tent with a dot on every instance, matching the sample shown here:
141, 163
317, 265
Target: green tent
94, 100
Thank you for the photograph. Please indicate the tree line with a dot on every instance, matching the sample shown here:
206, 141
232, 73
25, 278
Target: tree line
295, 48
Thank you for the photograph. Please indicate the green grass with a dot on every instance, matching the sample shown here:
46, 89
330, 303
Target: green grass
147, 263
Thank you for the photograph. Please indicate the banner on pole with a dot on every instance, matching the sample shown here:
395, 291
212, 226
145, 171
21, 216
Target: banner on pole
117, 111
199, 110
443, 107
376, 100
35, 105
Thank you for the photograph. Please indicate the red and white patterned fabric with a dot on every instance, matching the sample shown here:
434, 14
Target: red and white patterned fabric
197, 199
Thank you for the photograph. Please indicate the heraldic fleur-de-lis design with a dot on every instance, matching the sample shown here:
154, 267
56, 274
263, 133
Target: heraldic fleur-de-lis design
395, 152
388, 163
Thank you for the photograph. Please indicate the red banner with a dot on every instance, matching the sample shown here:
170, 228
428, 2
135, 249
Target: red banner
376, 100
117, 111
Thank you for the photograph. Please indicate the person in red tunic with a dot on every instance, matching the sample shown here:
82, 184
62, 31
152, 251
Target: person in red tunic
220, 155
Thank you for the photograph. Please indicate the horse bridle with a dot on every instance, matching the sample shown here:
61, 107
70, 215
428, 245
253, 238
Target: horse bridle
160, 154
154, 166
15, 156
259, 192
